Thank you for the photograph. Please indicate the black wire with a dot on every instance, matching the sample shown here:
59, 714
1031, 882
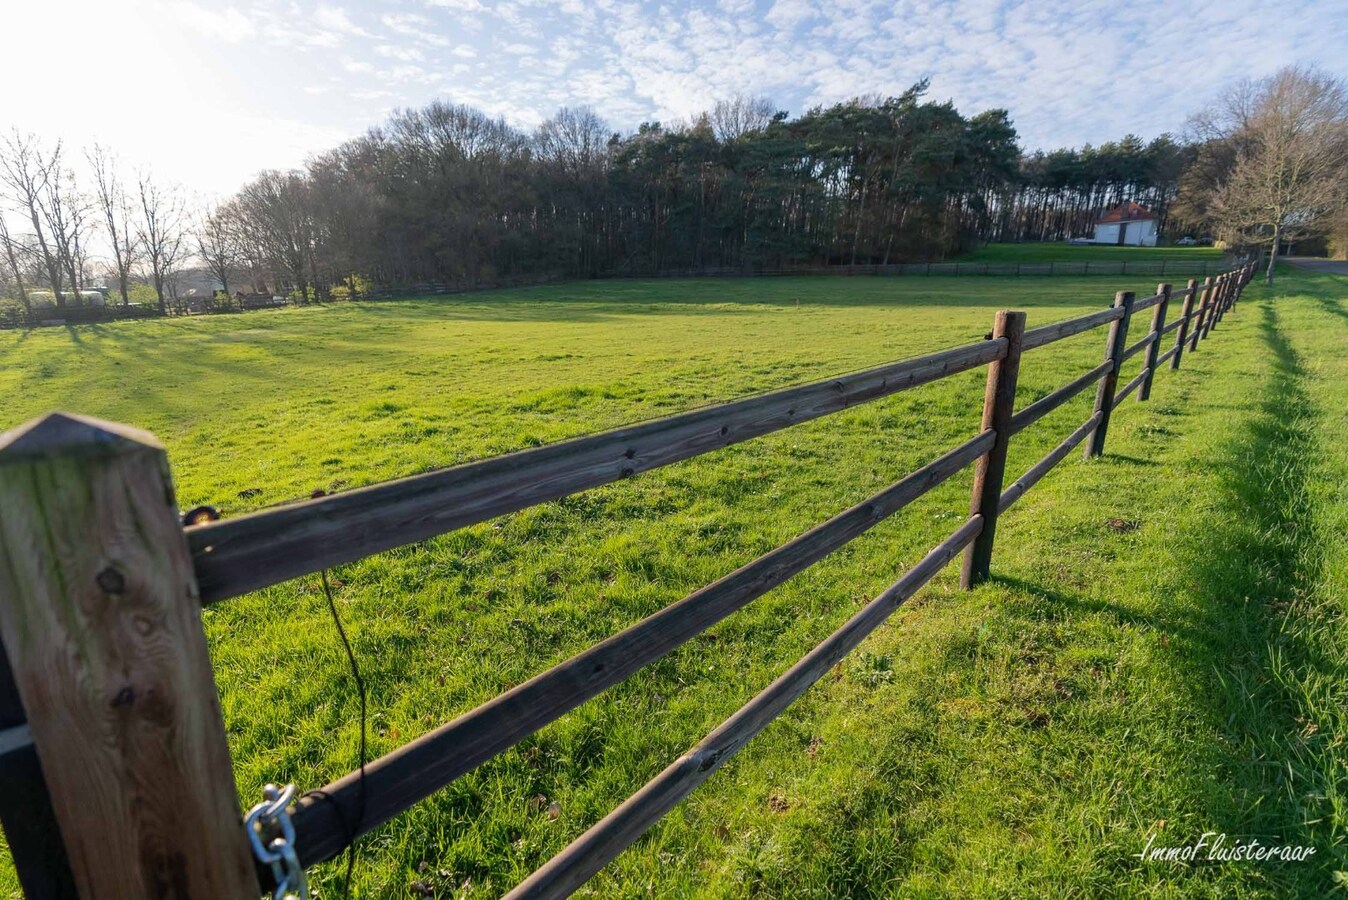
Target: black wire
360, 687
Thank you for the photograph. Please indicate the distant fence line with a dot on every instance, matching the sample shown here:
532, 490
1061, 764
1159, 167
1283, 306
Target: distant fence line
111, 312
108, 702
1160, 268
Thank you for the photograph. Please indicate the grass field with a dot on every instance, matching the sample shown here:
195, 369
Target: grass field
1161, 650
1061, 251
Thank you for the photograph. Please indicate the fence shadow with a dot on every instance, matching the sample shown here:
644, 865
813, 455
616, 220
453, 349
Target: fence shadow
1252, 558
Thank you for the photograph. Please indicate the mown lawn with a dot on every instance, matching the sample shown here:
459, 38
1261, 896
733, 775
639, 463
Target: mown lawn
1061, 251
1160, 652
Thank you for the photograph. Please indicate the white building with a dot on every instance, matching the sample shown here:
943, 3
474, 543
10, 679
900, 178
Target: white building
1129, 224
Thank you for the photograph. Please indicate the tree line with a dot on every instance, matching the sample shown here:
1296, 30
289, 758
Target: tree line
142, 226
447, 193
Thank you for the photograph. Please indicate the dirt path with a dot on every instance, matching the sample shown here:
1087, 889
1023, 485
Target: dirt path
1331, 266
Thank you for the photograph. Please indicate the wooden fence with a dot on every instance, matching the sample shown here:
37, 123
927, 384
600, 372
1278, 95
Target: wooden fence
115, 776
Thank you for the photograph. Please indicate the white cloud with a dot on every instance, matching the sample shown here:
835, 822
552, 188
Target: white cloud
402, 53
417, 27
1069, 71
335, 18
227, 24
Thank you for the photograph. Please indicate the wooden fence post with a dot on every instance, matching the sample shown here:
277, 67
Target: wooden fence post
1218, 289
101, 621
1182, 336
999, 402
1205, 299
1104, 394
1157, 323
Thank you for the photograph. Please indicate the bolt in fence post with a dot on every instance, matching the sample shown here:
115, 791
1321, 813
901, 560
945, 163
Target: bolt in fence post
1157, 323
1204, 299
1104, 394
999, 401
101, 622
1183, 334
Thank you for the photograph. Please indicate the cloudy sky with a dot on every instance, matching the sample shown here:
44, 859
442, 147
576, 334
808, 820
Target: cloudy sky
206, 92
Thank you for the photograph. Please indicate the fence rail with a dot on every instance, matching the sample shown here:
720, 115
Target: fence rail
97, 559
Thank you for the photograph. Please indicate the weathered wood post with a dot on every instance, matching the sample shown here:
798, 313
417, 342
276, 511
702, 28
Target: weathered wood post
999, 402
101, 622
1157, 323
1115, 344
1218, 290
1186, 311
1205, 300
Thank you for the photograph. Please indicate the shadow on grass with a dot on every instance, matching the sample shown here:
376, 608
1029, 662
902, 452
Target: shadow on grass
1259, 557
1254, 558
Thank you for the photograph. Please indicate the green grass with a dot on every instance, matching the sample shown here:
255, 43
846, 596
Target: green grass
1161, 650
1061, 251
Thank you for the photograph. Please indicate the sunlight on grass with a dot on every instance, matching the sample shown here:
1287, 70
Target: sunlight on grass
1161, 647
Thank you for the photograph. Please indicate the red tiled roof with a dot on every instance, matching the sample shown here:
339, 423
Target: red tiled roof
1127, 212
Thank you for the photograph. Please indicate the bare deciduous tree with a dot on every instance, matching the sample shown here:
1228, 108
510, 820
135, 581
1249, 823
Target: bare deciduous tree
740, 116
162, 232
219, 244
1290, 137
26, 170
118, 218
66, 212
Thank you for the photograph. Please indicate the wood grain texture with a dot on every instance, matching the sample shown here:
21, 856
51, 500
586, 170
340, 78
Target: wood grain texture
234, 556
101, 621
417, 769
999, 402
594, 849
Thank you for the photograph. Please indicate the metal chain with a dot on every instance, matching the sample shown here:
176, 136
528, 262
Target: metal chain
272, 816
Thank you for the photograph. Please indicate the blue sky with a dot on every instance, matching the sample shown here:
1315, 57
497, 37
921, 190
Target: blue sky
206, 92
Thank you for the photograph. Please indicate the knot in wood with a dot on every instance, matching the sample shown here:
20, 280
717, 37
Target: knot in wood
111, 581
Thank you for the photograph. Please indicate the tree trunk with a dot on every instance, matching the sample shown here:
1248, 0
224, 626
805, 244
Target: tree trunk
1273, 254
14, 267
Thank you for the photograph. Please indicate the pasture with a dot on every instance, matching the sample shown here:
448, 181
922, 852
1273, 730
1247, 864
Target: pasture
1159, 652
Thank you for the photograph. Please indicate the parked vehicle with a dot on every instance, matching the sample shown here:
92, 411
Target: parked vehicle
1187, 241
